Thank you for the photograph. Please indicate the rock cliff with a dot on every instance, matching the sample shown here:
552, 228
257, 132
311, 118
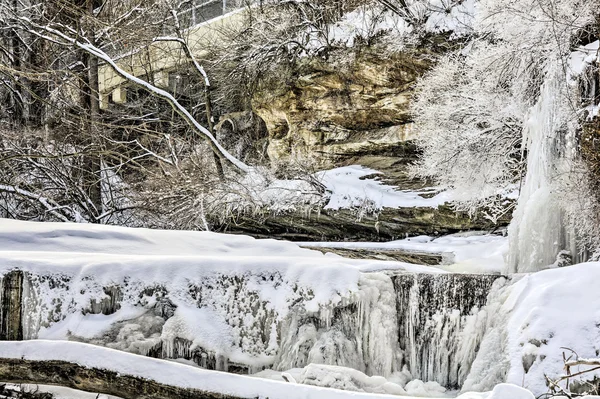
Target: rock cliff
346, 107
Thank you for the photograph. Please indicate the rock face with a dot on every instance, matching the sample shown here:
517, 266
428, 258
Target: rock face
344, 225
590, 148
11, 306
337, 109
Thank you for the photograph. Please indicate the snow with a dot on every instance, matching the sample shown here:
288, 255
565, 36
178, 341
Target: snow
349, 379
582, 57
183, 376
473, 252
527, 321
366, 22
69, 238
446, 16
355, 187
373, 20
535, 319
593, 111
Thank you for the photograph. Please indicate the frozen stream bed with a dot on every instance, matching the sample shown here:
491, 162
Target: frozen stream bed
473, 252
246, 306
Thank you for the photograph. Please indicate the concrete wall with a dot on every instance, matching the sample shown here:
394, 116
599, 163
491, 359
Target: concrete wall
160, 58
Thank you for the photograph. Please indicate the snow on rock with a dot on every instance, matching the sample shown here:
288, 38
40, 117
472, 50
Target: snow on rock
536, 318
582, 57
502, 391
347, 379
355, 187
353, 380
183, 376
349, 187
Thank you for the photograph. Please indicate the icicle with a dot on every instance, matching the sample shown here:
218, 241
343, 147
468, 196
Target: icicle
441, 325
538, 231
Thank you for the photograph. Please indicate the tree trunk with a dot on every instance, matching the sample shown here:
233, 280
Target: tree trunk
211, 129
16, 98
93, 176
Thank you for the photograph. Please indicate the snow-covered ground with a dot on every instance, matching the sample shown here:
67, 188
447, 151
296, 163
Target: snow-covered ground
348, 187
357, 187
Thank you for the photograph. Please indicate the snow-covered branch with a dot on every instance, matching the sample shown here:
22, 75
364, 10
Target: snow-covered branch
52, 207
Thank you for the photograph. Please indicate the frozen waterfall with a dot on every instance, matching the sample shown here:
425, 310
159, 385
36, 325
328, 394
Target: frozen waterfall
430, 323
539, 230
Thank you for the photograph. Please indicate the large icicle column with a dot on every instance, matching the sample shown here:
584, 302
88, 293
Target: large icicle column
539, 230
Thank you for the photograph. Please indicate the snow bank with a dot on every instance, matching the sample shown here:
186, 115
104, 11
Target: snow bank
98, 239
183, 376
536, 318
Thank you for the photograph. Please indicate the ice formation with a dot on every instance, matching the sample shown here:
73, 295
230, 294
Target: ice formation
236, 304
227, 384
442, 322
538, 231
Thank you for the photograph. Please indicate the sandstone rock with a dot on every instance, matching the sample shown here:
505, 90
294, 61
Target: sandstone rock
334, 109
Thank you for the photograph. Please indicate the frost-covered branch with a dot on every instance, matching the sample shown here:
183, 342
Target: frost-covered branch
52, 207
582, 362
